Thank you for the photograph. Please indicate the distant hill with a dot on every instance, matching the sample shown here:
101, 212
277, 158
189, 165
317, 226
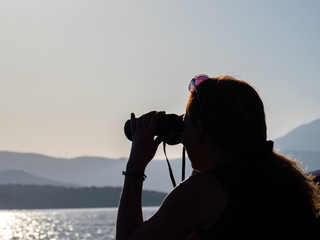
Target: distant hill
302, 144
310, 161
89, 171
39, 197
303, 138
24, 178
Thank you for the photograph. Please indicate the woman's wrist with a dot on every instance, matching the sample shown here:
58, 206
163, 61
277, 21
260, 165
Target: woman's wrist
133, 166
135, 174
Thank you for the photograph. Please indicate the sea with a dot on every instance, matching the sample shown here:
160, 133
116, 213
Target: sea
61, 224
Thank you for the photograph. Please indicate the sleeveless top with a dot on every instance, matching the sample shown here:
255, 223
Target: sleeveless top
259, 208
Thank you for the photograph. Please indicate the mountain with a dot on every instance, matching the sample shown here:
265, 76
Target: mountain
303, 138
24, 178
38, 197
302, 144
310, 161
89, 171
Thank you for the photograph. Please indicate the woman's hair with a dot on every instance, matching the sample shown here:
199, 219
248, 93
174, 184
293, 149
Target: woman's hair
234, 117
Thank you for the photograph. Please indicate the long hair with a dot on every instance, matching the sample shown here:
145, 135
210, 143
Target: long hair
235, 118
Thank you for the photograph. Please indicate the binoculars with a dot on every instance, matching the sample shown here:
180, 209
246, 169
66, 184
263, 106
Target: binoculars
170, 128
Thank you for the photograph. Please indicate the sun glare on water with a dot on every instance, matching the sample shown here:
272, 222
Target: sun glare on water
7, 219
19, 225
61, 224
58, 224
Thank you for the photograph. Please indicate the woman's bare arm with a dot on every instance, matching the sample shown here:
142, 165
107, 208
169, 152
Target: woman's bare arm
191, 205
197, 202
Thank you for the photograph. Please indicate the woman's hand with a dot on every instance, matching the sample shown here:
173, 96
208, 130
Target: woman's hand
144, 143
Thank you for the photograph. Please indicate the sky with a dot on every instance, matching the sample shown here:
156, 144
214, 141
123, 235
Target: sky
72, 71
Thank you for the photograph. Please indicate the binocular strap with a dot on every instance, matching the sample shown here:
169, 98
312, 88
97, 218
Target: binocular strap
169, 166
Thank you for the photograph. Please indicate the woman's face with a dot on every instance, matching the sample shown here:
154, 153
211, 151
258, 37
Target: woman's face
189, 140
187, 127
198, 145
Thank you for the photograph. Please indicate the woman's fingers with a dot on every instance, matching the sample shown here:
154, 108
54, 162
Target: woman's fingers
133, 123
144, 143
155, 120
147, 117
147, 123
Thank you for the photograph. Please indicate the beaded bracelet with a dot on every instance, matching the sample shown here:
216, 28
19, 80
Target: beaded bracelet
135, 174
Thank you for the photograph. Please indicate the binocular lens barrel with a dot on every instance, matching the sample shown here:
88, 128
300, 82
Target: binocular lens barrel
170, 128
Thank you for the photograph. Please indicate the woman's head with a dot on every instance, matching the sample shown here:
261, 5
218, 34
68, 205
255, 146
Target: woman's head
232, 112
233, 115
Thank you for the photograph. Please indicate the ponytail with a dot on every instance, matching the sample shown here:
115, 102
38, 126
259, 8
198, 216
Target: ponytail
290, 174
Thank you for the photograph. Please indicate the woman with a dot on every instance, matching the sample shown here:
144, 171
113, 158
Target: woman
242, 187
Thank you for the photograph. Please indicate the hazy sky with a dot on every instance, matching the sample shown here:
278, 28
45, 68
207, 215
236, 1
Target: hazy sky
72, 71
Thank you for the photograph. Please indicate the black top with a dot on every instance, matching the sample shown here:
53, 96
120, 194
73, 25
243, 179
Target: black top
258, 208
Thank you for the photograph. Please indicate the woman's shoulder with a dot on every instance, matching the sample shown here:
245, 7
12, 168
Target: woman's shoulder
197, 202
202, 183
201, 196
214, 182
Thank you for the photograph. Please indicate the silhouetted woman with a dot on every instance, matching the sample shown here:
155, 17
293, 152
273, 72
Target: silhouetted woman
243, 188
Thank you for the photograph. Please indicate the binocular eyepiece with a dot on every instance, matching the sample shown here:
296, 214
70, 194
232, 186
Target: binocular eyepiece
170, 128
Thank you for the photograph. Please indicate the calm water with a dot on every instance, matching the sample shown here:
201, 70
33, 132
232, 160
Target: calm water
61, 224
